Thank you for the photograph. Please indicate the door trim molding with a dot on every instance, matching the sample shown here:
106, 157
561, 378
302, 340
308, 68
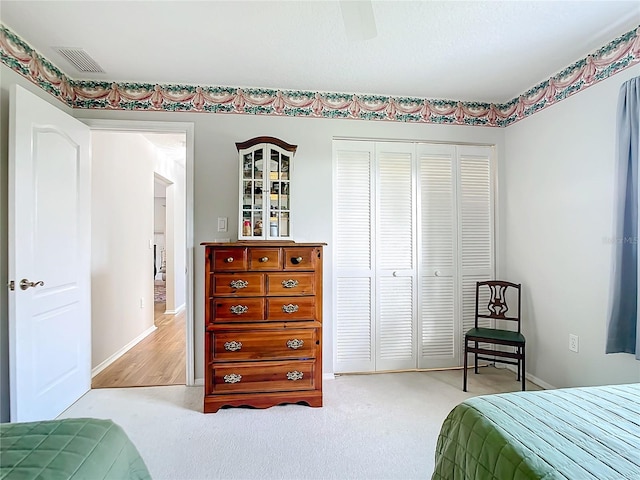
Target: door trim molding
188, 128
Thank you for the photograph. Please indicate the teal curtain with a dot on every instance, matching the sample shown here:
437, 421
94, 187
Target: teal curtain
622, 331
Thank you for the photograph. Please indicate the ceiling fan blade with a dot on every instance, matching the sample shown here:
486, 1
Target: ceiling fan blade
359, 22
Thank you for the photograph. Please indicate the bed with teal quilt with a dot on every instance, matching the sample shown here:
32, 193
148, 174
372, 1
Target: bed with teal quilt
571, 433
72, 448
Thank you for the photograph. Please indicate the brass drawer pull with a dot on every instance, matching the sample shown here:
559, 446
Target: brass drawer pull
290, 283
264, 259
295, 375
232, 346
239, 284
296, 260
295, 343
239, 309
228, 259
232, 378
291, 308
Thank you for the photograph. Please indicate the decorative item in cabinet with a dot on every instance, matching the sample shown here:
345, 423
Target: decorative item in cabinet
263, 324
265, 178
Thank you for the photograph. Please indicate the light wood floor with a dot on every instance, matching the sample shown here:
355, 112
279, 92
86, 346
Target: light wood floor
159, 359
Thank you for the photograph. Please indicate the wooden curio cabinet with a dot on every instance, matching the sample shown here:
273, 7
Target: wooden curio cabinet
265, 181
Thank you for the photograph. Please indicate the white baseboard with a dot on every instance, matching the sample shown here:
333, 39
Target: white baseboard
531, 378
122, 351
198, 382
176, 311
540, 383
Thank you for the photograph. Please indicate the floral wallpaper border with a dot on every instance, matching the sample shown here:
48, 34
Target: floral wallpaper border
610, 59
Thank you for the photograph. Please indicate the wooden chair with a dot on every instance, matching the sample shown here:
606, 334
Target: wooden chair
496, 309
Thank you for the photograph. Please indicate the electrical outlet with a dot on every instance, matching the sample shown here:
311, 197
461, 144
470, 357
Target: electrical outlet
573, 343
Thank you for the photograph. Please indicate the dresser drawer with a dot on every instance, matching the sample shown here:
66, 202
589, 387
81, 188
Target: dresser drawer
291, 308
262, 376
295, 283
265, 259
234, 345
238, 310
229, 259
300, 258
238, 284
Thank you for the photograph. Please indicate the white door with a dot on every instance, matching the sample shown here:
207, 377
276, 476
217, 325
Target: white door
475, 231
395, 256
413, 233
354, 286
49, 246
437, 237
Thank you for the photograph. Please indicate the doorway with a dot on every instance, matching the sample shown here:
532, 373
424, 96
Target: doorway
139, 331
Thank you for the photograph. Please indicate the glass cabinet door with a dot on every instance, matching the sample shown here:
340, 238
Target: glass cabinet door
265, 173
252, 193
279, 194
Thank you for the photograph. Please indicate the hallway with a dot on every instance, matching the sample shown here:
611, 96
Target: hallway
159, 359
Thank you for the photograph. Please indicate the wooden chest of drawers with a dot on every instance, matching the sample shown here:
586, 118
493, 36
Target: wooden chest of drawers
263, 324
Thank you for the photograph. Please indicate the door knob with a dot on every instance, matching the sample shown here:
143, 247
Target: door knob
24, 284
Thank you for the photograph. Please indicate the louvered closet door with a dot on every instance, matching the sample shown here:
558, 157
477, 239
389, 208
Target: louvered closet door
413, 233
354, 279
395, 257
476, 231
438, 308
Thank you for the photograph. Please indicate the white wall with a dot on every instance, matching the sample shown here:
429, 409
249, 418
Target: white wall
170, 164
122, 227
159, 206
557, 204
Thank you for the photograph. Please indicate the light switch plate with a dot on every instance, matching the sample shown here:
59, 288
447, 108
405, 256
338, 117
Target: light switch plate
222, 224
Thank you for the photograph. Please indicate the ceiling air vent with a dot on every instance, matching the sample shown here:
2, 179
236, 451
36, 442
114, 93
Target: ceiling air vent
79, 59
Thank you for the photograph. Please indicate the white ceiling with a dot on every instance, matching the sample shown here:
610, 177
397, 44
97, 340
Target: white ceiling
488, 51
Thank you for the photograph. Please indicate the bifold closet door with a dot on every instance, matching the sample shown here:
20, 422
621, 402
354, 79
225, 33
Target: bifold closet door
438, 305
456, 239
395, 272
375, 306
476, 229
354, 211
413, 233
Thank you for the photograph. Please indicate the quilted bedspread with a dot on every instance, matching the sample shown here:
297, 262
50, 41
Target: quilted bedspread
572, 433
73, 448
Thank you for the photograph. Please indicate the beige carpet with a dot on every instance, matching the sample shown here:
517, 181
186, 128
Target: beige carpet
371, 427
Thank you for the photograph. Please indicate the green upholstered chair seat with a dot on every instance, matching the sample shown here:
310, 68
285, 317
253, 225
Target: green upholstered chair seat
496, 334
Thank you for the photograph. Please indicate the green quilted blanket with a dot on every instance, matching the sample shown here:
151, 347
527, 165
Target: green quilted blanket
73, 448
572, 433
